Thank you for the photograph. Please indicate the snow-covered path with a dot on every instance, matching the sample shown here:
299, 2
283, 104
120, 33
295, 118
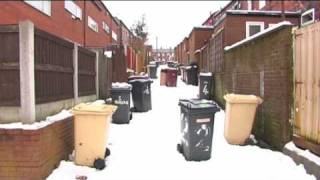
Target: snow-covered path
146, 149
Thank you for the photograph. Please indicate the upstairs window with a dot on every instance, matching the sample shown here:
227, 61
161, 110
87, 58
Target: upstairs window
114, 36
43, 6
74, 9
105, 27
262, 3
253, 28
307, 17
92, 24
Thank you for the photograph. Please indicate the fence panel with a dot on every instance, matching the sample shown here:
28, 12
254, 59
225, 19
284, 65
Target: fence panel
9, 66
53, 68
216, 53
87, 72
307, 84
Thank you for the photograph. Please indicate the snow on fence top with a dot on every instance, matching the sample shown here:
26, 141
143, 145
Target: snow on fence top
261, 33
206, 74
258, 12
38, 125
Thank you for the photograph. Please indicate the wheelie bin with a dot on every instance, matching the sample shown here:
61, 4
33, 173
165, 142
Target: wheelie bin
91, 124
171, 77
192, 75
141, 94
205, 86
163, 77
197, 120
120, 95
240, 113
152, 71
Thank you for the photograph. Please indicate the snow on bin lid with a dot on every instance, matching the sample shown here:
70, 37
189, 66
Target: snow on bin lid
199, 104
206, 74
122, 85
141, 80
152, 62
239, 98
172, 69
188, 67
151, 65
96, 109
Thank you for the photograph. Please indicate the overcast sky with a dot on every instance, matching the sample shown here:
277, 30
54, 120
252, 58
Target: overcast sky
170, 21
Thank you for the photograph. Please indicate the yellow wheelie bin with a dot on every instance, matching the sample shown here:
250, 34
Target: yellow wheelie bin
240, 113
91, 132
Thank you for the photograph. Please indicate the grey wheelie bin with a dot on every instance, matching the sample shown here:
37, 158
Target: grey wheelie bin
120, 94
205, 85
197, 120
141, 94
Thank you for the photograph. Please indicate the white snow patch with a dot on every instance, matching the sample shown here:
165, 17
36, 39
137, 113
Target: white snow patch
265, 31
204, 27
206, 74
121, 85
38, 125
304, 153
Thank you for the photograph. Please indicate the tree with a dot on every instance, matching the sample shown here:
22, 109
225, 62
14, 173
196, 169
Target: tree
140, 28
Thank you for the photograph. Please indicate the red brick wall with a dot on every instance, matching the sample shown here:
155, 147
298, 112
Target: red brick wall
263, 67
197, 39
60, 22
235, 27
100, 38
33, 154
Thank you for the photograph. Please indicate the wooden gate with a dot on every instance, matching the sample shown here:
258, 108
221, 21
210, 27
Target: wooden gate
307, 87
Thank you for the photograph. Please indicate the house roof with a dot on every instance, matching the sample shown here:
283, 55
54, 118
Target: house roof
262, 13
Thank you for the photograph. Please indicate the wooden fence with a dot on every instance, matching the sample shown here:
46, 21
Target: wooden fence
54, 75
86, 75
9, 66
307, 87
53, 68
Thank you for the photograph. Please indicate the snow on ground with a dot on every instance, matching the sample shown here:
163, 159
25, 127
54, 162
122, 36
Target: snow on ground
146, 149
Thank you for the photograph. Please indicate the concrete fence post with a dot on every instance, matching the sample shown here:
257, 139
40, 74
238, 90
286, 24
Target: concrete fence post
75, 74
27, 85
97, 74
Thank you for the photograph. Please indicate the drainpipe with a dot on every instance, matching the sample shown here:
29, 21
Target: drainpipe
282, 11
84, 23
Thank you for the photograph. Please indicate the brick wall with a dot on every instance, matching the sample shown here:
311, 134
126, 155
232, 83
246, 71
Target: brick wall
263, 67
33, 154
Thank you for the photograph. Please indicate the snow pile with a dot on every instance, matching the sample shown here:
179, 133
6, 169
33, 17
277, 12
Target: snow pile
38, 125
146, 149
304, 153
265, 31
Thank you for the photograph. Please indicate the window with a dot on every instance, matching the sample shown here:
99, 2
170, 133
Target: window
105, 27
307, 17
92, 24
43, 6
114, 35
74, 9
262, 3
249, 4
253, 28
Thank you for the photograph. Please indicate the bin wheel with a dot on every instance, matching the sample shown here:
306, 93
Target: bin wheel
107, 153
179, 148
99, 164
130, 116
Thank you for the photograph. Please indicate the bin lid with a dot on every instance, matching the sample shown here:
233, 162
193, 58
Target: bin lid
121, 86
140, 81
151, 65
199, 104
94, 109
240, 98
